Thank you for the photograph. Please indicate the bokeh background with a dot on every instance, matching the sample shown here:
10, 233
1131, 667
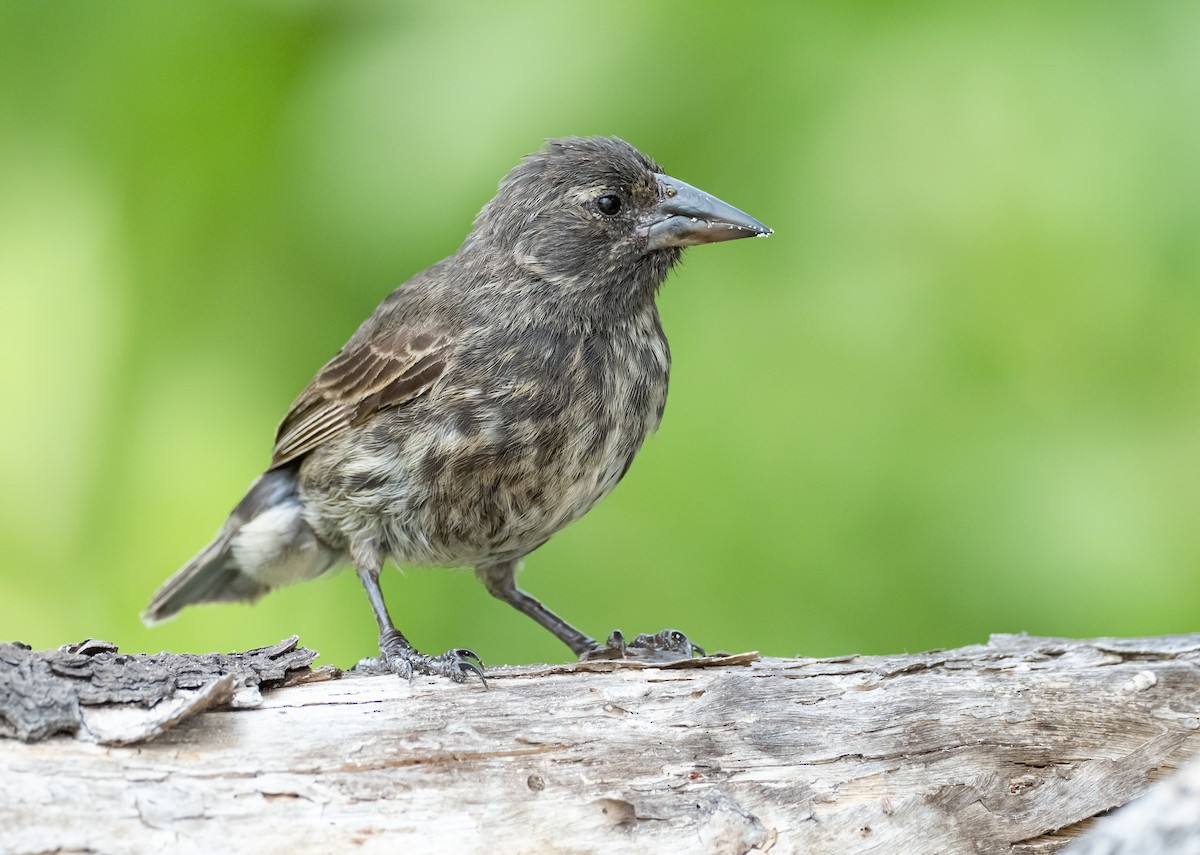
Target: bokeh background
958, 392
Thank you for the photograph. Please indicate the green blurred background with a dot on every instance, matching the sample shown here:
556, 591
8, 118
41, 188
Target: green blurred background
958, 392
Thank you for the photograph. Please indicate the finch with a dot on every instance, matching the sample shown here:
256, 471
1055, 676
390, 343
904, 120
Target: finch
489, 401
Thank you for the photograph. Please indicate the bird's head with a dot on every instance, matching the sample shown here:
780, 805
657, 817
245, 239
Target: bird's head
594, 218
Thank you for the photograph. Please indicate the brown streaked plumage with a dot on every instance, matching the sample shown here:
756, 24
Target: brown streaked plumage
487, 403
384, 369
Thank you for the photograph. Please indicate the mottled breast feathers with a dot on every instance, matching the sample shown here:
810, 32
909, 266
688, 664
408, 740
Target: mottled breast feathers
383, 369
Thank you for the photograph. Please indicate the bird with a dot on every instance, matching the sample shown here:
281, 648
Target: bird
488, 402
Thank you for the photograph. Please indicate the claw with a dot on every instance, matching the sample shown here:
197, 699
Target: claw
472, 668
464, 662
466, 653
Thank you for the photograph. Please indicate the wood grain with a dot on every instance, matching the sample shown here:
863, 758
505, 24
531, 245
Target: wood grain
1012, 746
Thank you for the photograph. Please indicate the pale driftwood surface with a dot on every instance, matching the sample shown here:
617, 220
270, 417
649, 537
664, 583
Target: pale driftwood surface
989, 748
1165, 821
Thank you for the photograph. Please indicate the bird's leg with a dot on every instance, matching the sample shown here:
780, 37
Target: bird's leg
398, 654
500, 580
669, 644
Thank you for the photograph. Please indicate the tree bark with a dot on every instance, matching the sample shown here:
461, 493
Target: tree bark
1013, 746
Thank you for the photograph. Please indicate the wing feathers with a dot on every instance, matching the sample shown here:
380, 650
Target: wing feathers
383, 370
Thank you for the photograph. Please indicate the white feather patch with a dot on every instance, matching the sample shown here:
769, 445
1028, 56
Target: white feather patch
277, 548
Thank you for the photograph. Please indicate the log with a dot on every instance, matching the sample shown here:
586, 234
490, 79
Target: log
1014, 746
1165, 821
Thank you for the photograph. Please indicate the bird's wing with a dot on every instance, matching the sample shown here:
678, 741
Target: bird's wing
382, 369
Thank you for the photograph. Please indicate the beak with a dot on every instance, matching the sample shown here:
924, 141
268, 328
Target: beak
687, 216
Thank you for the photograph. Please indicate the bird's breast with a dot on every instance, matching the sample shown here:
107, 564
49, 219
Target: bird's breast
563, 421
527, 435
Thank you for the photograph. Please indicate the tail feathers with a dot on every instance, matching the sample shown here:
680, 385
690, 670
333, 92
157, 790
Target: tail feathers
211, 577
265, 543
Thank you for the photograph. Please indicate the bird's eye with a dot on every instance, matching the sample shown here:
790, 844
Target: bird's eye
609, 205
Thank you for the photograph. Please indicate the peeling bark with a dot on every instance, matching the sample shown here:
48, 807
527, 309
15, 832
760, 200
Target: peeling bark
1013, 746
97, 694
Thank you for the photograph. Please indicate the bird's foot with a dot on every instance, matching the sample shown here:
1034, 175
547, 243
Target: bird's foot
403, 660
666, 646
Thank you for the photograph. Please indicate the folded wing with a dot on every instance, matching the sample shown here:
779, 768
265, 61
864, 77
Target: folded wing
380, 370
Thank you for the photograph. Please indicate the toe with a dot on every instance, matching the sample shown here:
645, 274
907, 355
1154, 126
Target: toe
668, 641
614, 648
667, 645
400, 666
458, 664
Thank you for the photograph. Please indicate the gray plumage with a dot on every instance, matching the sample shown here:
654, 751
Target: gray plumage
488, 402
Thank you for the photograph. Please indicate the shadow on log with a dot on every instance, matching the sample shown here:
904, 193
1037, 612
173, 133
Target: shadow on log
1013, 746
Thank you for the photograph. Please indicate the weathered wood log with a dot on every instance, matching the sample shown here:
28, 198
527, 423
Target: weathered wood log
1012, 746
1165, 821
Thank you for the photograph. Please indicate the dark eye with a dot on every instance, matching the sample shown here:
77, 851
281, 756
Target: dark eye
609, 205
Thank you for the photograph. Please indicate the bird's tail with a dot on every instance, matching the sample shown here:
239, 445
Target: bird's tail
265, 543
